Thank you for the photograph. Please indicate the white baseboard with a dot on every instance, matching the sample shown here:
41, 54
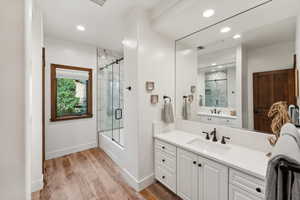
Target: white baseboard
138, 185
69, 150
37, 185
112, 156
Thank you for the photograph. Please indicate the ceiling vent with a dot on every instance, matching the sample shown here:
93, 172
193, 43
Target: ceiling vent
99, 2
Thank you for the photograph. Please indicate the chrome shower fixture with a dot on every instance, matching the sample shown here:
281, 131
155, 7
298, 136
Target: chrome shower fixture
99, 2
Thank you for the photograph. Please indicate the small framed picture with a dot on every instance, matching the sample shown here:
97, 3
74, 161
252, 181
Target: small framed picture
154, 99
193, 89
150, 86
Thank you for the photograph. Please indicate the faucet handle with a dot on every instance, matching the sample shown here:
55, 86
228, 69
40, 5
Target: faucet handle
224, 138
207, 135
214, 134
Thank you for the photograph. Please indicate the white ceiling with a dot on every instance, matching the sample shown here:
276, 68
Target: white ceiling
267, 24
186, 16
172, 18
104, 25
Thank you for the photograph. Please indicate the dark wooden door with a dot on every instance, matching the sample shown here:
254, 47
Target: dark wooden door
268, 88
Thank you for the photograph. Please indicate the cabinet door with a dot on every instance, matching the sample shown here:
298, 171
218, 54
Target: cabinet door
213, 180
187, 172
236, 193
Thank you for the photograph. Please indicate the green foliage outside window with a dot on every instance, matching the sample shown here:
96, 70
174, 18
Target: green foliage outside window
67, 101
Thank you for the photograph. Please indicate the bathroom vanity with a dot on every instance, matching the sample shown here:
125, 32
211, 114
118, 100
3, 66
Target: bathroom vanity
198, 169
228, 75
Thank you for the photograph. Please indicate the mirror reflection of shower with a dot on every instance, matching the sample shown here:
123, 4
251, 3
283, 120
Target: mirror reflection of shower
110, 96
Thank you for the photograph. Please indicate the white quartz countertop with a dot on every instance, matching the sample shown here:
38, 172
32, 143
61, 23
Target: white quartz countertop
237, 157
217, 115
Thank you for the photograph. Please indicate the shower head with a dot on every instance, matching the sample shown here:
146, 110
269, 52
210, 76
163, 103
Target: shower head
99, 2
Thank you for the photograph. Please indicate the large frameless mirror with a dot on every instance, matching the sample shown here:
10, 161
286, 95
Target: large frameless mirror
231, 73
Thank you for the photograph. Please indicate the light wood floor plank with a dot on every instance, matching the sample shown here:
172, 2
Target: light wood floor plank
92, 175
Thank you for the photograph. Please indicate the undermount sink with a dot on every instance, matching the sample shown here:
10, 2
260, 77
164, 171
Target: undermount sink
209, 146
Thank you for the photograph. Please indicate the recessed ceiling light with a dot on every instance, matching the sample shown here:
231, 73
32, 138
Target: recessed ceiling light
208, 13
220, 66
237, 36
225, 29
213, 64
80, 28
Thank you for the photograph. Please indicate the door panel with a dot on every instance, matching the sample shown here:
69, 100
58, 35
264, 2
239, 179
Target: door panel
187, 173
269, 88
236, 193
213, 180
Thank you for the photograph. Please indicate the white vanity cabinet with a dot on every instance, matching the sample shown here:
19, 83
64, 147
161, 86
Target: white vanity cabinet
212, 180
165, 164
199, 178
187, 175
236, 193
194, 177
245, 187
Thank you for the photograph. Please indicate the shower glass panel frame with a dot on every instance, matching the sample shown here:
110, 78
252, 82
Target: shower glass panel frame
110, 101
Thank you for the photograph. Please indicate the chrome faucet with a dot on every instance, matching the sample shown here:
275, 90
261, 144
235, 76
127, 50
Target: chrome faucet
214, 134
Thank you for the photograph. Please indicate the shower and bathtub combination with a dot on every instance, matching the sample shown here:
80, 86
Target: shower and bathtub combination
110, 101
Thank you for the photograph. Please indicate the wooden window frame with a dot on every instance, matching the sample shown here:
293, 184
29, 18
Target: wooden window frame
53, 80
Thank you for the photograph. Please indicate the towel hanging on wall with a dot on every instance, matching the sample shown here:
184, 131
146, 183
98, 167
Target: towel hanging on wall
186, 108
167, 111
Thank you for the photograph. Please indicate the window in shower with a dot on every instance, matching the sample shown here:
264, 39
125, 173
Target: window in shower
110, 101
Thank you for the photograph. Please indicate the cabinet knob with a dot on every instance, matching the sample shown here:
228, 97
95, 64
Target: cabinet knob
163, 147
194, 162
258, 190
199, 165
163, 160
163, 177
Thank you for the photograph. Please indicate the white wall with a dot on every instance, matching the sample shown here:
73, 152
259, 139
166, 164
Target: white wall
269, 58
186, 76
147, 57
155, 63
231, 87
36, 137
12, 81
69, 136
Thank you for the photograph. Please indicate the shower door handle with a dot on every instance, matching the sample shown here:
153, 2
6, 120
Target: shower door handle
118, 114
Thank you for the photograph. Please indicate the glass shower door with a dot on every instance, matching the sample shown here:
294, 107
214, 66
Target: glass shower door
110, 102
117, 104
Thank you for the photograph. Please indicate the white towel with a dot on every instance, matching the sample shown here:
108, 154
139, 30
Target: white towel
186, 110
288, 143
167, 113
281, 185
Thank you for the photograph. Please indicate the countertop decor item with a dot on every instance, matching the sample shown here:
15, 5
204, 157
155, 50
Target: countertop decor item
150, 86
154, 99
280, 116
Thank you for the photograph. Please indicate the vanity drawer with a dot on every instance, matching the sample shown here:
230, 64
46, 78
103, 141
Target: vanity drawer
247, 183
165, 177
165, 160
165, 147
